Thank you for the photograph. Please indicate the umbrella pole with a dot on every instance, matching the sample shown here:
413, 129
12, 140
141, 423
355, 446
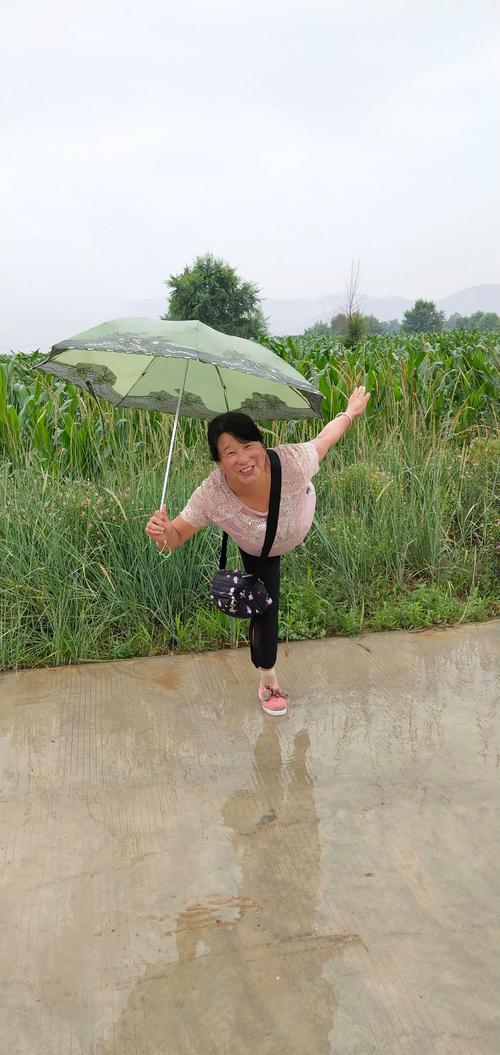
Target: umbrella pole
172, 438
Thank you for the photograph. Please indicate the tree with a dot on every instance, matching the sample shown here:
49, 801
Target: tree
211, 291
457, 322
485, 320
480, 320
338, 326
393, 326
373, 325
355, 328
424, 317
319, 329
350, 323
339, 323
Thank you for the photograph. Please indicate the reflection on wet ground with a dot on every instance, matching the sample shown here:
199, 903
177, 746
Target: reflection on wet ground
184, 875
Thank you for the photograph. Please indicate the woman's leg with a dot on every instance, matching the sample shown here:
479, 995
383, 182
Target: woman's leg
264, 628
264, 634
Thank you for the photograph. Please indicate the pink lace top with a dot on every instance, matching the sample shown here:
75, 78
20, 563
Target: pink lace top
213, 502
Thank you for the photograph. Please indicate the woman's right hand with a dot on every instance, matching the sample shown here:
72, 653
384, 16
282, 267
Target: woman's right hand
158, 526
357, 402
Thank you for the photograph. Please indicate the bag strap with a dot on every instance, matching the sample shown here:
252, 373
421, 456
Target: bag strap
274, 503
273, 513
223, 552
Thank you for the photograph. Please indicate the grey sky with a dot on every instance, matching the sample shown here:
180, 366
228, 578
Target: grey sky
287, 137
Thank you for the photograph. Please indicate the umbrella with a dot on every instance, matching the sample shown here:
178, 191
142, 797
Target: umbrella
182, 368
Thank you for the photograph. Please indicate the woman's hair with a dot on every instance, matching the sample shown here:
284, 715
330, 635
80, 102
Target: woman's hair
237, 424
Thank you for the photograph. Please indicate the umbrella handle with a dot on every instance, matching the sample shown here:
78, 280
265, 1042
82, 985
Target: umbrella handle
172, 438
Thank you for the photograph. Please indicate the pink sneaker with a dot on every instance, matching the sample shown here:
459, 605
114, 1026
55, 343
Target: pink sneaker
273, 700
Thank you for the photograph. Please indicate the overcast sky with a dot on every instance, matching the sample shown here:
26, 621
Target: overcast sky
289, 137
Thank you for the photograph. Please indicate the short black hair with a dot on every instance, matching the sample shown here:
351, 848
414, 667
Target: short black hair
239, 425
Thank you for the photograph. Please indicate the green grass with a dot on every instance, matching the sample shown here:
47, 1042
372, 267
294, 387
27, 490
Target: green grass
406, 532
405, 535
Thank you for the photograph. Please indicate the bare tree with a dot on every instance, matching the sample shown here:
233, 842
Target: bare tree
350, 321
352, 301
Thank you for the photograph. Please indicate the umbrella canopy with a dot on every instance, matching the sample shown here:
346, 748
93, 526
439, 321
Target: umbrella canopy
182, 368
152, 363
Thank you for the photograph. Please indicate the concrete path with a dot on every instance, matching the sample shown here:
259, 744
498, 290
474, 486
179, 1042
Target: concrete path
183, 875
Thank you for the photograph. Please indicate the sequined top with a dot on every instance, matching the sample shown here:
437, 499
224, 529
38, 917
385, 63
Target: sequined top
213, 502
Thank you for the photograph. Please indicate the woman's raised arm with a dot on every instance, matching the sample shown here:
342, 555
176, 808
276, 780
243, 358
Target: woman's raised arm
332, 432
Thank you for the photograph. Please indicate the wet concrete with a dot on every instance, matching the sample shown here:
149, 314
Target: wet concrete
183, 875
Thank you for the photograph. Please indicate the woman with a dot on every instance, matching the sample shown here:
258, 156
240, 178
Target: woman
236, 498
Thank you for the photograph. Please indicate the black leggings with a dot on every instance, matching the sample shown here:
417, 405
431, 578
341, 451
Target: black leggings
264, 628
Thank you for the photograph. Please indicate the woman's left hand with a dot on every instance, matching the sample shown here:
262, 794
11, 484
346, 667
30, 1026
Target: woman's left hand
358, 402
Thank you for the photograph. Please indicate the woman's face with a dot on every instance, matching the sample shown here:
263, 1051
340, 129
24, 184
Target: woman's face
243, 462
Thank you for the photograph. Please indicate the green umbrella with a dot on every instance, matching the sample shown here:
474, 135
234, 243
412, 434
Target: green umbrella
182, 368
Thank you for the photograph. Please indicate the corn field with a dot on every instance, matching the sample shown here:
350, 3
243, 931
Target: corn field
446, 382
447, 379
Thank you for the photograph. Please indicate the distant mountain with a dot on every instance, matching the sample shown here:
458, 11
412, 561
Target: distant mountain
42, 328
475, 298
295, 316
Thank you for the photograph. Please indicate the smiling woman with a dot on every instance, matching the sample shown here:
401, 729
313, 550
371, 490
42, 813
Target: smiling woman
237, 445
236, 497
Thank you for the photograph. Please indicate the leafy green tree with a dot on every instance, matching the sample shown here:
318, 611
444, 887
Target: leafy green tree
319, 329
211, 291
457, 322
424, 317
355, 329
357, 323
393, 326
339, 323
485, 320
350, 326
480, 320
342, 325
373, 325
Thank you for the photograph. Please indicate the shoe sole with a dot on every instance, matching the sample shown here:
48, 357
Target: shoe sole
273, 712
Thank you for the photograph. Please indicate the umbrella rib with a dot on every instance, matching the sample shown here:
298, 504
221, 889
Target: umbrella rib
135, 383
223, 388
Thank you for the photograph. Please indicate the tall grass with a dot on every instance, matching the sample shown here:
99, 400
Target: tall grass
405, 534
